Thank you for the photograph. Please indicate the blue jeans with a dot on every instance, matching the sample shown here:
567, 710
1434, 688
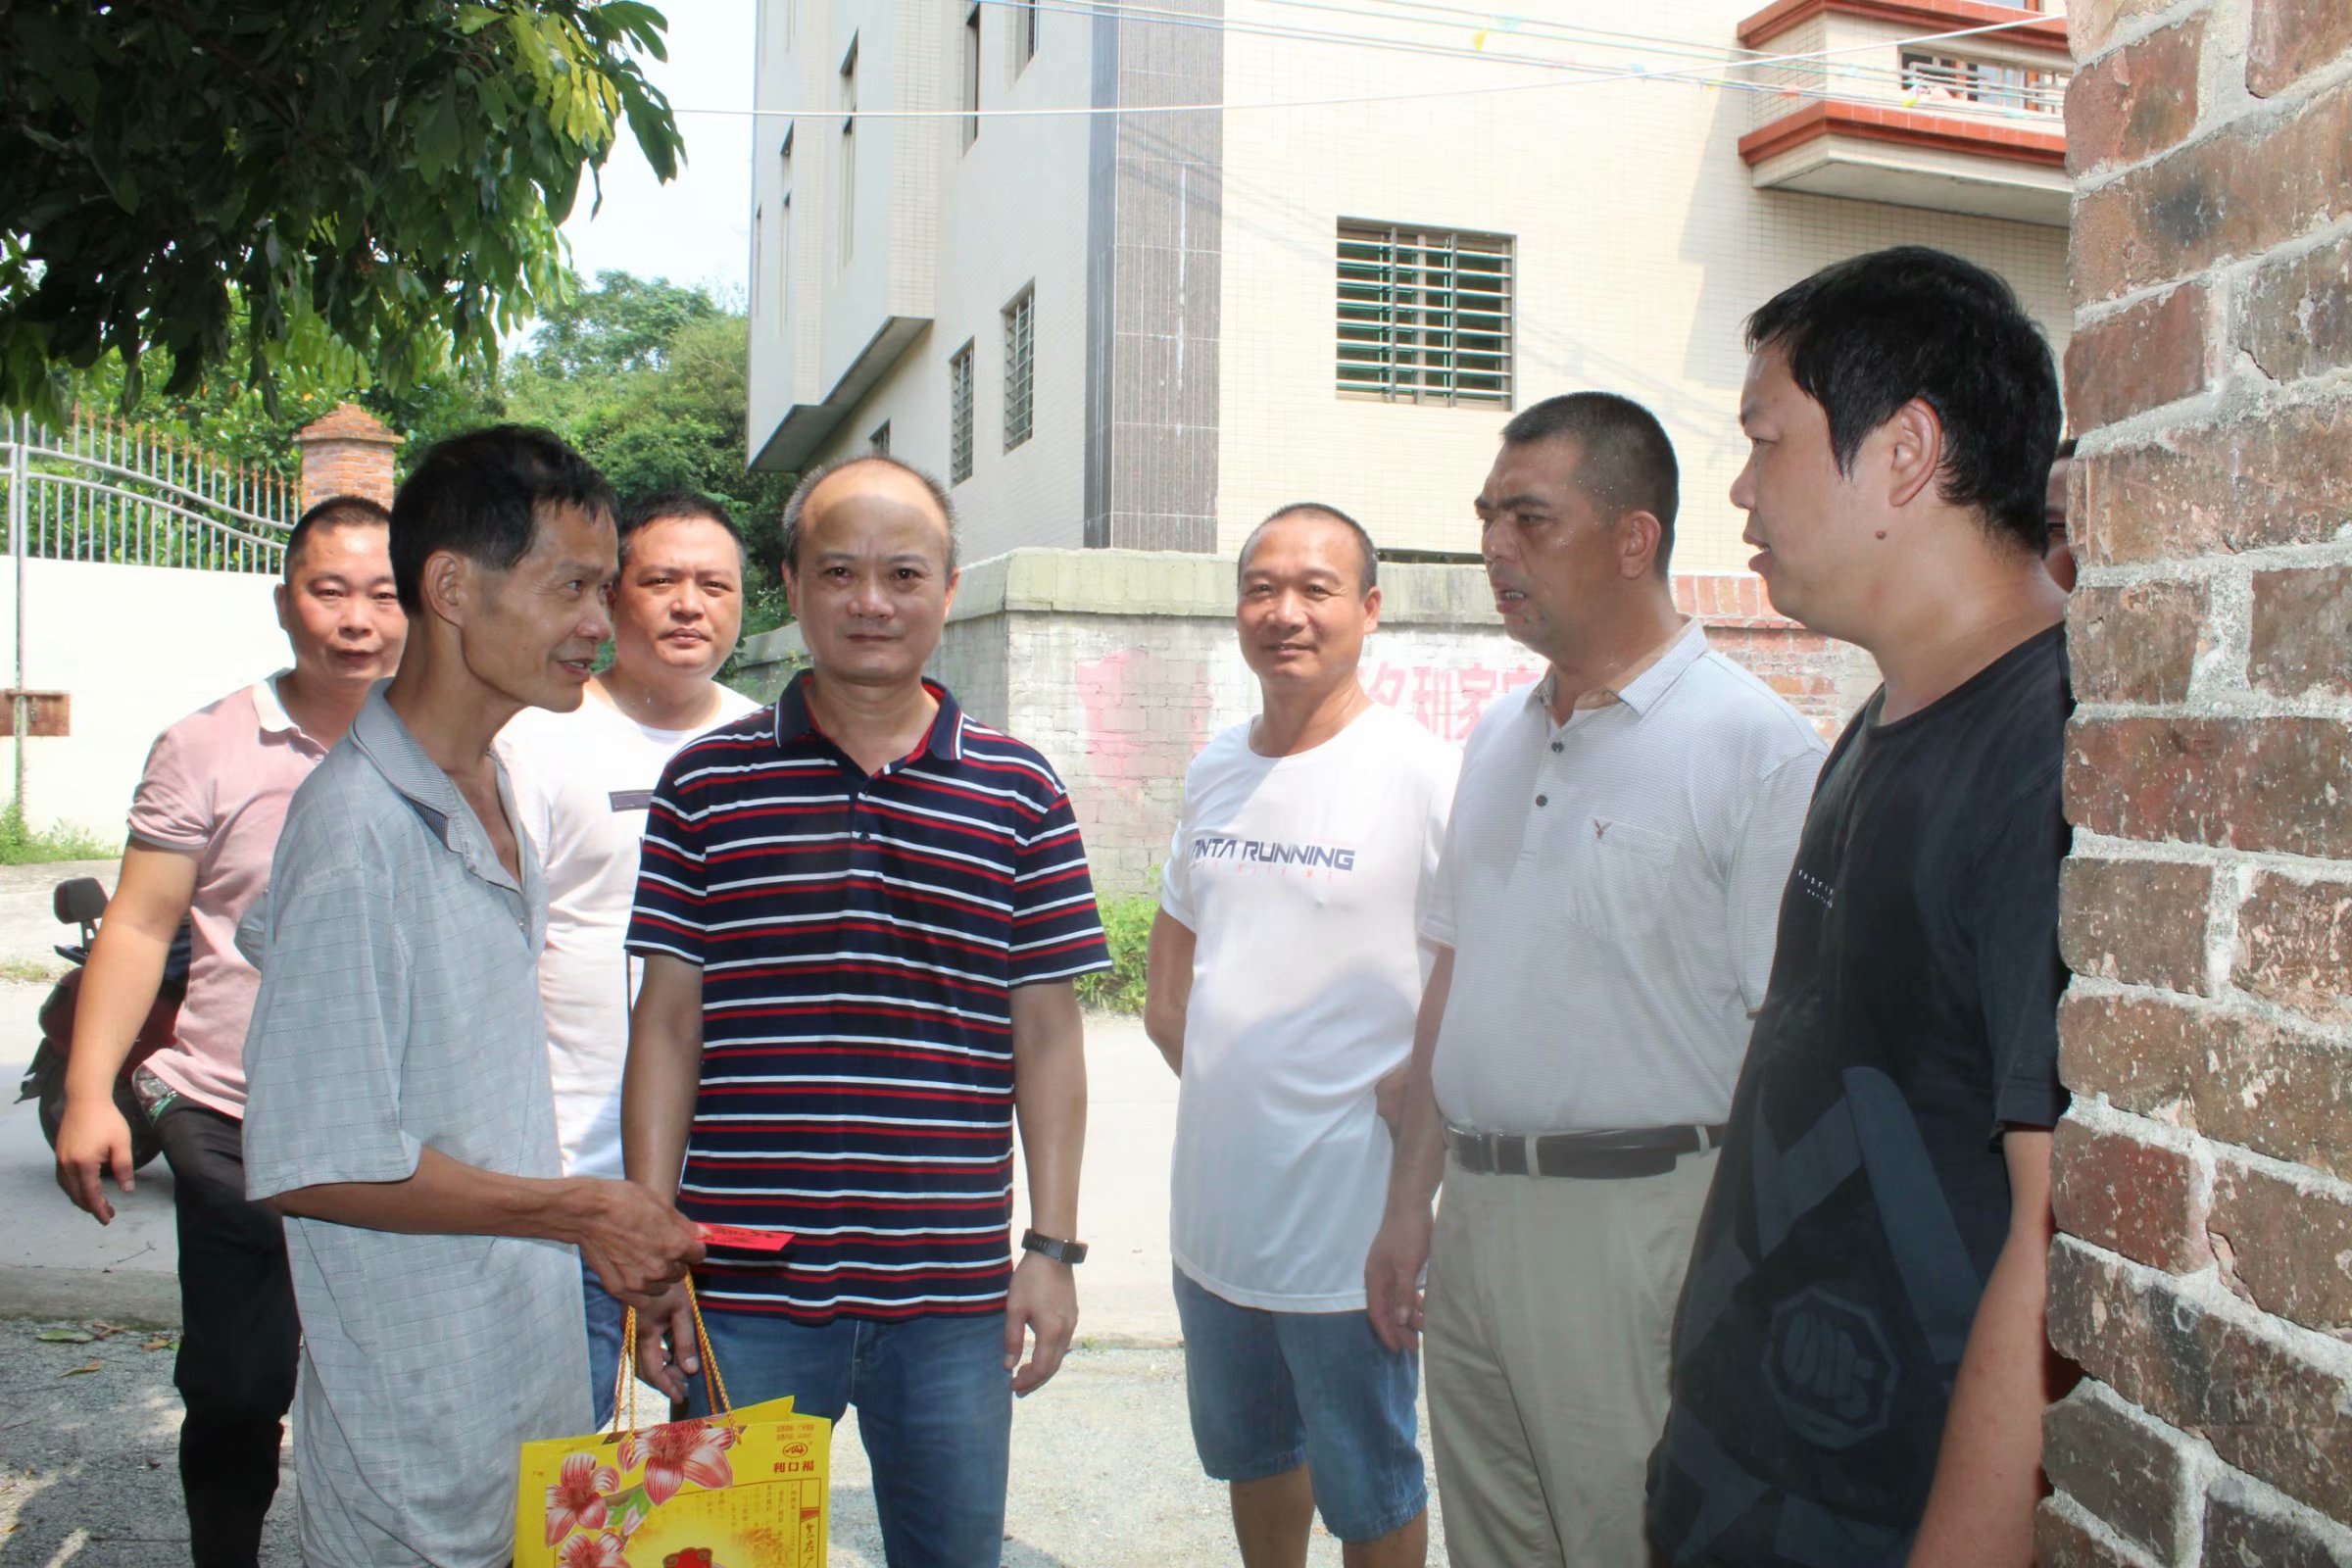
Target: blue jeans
604, 1342
1270, 1392
934, 1407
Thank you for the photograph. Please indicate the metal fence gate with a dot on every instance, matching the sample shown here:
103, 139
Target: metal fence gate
103, 490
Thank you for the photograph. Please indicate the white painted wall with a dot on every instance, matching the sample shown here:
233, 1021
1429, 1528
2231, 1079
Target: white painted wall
1641, 246
136, 648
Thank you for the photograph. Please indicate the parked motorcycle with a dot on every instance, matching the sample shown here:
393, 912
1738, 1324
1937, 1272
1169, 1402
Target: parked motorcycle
81, 902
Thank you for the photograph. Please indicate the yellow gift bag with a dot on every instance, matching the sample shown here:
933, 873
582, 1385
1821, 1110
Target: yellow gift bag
741, 1488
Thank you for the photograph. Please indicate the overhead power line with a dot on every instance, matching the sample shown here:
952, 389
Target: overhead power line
1564, 75
1877, 76
1482, 26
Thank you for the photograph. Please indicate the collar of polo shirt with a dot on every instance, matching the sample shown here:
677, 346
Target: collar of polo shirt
1641, 682
943, 740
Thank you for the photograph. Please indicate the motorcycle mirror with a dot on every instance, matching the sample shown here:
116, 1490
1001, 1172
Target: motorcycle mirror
80, 900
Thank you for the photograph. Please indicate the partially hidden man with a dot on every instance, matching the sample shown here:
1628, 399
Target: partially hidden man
1859, 1365
582, 781
203, 826
398, 1112
861, 913
1287, 965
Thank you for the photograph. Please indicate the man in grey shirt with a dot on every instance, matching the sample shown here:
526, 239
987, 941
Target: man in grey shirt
398, 1114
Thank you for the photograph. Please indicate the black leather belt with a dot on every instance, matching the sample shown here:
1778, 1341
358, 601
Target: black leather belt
1588, 1157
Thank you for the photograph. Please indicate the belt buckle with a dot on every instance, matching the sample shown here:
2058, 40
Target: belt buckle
1520, 1147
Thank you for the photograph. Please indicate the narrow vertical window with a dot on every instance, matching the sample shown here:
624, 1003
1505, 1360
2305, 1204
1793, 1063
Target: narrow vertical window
784, 267
960, 415
1020, 350
972, 74
784, 239
849, 154
879, 442
1024, 33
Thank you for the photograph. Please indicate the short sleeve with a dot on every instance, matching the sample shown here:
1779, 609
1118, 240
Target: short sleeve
173, 806
1056, 928
1176, 874
2013, 931
668, 913
1761, 861
323, 1055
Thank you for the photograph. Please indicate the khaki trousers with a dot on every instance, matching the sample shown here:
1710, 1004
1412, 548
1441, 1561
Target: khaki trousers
1551, 1302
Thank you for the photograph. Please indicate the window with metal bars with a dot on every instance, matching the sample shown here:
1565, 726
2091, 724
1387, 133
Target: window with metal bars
1024, 34
879, 442
1020, 350
1935, 78
960, 415
1425, 314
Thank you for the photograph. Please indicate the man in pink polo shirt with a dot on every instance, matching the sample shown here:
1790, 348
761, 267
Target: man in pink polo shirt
203, 826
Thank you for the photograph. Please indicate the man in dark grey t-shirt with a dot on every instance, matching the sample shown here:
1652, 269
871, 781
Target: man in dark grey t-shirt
1859, 1362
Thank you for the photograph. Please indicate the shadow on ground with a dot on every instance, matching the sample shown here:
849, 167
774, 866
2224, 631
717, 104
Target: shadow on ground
89, 1459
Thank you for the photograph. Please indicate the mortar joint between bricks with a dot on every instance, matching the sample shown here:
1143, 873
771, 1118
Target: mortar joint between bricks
2202, 569
2232, 885
2216, 675
2104, 1116
2228, 1007
2230, 705
2303, 1179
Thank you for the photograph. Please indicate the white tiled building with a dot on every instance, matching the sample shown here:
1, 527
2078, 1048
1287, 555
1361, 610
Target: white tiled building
1147, 330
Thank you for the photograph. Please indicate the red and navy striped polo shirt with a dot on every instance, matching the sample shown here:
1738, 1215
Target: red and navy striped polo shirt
859, 939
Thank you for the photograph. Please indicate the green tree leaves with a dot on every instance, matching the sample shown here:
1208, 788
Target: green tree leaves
199, 185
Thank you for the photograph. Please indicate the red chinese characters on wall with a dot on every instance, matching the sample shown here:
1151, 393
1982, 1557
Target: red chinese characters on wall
1444, 700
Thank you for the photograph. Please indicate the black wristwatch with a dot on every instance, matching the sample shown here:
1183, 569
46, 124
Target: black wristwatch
1060, 1252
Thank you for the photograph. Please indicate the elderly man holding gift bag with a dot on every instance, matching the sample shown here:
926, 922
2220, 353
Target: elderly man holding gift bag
398, 1109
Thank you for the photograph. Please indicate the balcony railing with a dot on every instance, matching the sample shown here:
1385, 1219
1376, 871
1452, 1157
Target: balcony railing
1971, 125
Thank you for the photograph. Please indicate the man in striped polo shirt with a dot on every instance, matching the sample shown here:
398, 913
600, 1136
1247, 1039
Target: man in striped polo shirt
861, 913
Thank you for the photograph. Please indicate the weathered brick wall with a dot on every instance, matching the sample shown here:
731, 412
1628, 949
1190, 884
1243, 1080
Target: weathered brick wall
348, 453
2204, 1176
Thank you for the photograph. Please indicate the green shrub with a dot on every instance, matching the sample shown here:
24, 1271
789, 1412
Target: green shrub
20, 845
1127, 926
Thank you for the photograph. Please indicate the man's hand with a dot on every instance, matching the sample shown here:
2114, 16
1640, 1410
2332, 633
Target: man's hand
1393, 1278
637, 1244
1042, 1301
666, 1351
92, 1139
1388, 1094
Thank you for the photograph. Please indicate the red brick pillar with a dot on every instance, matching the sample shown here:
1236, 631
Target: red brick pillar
2204, 1176
349, 452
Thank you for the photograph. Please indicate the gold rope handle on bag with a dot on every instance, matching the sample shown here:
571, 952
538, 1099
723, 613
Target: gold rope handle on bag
624, 1388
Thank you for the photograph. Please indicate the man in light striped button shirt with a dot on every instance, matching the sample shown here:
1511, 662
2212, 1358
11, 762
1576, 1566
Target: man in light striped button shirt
1605, 905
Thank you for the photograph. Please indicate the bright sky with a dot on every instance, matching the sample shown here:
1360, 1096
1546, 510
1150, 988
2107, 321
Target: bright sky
697, 228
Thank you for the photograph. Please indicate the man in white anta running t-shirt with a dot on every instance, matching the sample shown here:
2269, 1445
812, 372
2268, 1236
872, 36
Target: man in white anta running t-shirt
1285, 970
582, 784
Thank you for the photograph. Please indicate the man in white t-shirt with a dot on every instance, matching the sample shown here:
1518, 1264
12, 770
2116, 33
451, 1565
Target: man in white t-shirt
582, 781
1285, 970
